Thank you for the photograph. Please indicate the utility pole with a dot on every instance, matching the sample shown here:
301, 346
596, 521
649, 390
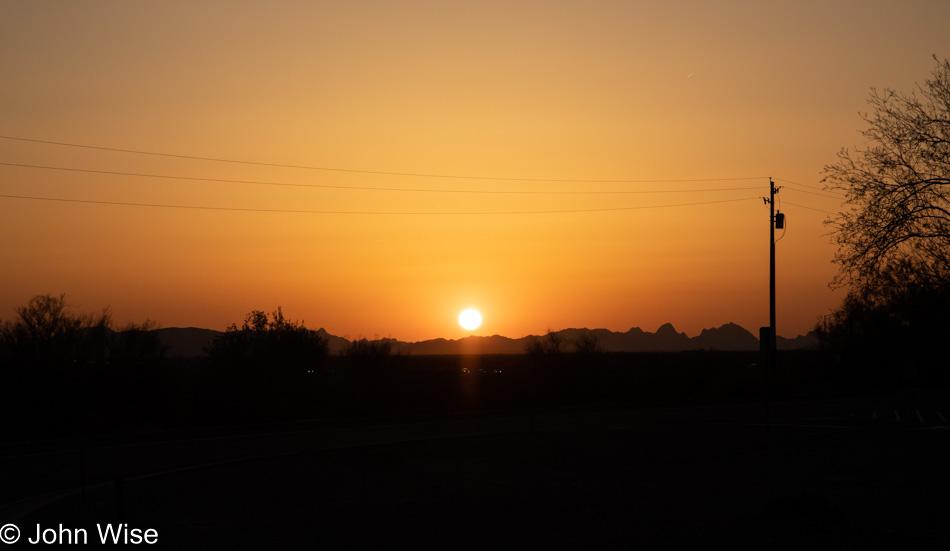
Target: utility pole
772, 339
767, 335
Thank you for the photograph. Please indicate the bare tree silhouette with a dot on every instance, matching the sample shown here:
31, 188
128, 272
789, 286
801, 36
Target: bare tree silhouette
894, 238
548, 345
897, 227
586, 344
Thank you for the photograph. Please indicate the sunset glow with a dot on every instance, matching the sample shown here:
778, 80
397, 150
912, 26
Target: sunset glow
368, 166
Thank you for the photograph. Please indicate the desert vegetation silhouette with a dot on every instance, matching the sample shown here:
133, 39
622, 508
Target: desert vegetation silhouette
891, 331
894, 239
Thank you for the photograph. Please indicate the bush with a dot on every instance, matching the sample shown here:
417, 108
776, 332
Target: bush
47, 335
894, 339
272, 348
367, 354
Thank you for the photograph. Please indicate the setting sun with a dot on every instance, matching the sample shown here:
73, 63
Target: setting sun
470, 319
508, 167
254, 221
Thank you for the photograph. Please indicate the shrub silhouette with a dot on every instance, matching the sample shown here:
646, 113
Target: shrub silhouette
269, 347
136, 345
548, 345
587, 344
46, 335
553, 346
891, 339
76, 372
269, 368
367, 354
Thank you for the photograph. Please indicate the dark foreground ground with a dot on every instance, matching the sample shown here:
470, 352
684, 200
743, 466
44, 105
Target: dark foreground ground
826, 484
635, 451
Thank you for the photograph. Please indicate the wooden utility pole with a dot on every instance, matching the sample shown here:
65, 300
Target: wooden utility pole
767, 335
772, 339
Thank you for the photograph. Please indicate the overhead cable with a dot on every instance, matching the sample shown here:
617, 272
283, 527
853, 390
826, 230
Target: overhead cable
373, 188
376, 172
811, 208
303, 211
808, 186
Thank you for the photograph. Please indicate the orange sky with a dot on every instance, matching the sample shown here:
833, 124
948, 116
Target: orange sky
524, 90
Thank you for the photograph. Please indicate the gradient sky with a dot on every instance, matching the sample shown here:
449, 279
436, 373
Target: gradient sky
552, 90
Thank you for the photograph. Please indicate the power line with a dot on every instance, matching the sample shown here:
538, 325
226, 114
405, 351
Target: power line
808, 186
376, 172
296, 211
810, 208
372, 188
808, 192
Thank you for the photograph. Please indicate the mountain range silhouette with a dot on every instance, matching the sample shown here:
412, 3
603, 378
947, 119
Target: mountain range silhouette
192, 341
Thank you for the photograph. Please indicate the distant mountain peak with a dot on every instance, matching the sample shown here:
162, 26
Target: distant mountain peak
726, 328
186, 342
728, 336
